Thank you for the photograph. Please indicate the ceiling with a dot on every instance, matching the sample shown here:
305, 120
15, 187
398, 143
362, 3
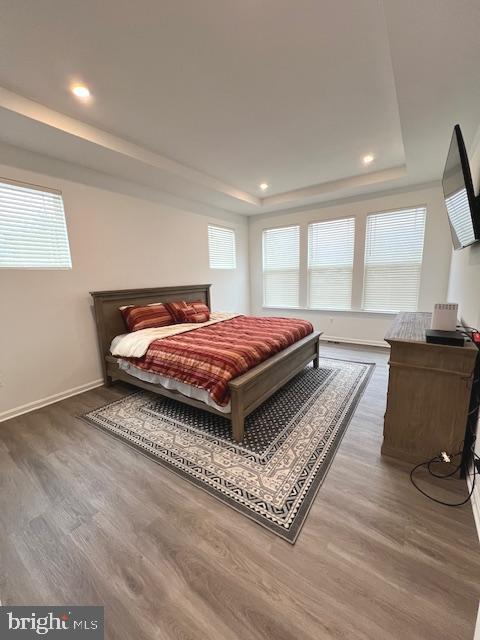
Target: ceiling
206, 100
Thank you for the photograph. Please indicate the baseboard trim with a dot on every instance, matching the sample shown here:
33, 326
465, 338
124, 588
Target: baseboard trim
359, 341
43, 402
475, 502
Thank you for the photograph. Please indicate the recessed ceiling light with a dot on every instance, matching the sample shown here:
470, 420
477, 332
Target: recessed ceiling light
263, 186
368, 159
81, 91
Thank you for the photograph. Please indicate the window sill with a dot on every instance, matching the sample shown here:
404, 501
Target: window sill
360, 311
42, 268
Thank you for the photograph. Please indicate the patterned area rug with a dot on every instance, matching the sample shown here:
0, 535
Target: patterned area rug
290, 442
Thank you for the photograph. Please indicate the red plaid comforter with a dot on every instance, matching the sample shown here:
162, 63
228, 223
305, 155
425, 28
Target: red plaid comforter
209, 357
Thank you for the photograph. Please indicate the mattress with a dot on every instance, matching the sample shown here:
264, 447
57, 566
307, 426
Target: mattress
207, 356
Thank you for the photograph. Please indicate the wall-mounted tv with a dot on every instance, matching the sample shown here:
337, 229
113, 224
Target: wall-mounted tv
463, 206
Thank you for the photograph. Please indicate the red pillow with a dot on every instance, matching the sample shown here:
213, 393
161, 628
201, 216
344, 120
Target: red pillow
190, 315
175, 308
201, 307
147, 317
188, 312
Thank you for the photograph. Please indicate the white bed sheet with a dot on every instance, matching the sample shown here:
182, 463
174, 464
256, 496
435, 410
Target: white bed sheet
174, 385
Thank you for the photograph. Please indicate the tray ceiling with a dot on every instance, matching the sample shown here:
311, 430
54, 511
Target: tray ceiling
208, 99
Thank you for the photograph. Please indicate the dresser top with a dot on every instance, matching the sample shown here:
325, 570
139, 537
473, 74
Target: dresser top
411, 327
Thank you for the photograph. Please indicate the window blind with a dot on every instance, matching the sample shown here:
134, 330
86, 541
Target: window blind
281, 265
33, 233
458, 209
330, 263
221, 248
393, 260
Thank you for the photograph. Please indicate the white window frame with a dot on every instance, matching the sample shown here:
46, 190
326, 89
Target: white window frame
265, 271
397, 308
311, 269
211, 258
59, 247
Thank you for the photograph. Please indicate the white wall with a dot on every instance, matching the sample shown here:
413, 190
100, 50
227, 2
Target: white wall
360, 326
47, 332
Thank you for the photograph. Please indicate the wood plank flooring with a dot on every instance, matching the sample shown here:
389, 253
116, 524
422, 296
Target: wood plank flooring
86, 520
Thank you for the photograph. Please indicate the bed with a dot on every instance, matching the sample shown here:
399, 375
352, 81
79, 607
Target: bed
247, 391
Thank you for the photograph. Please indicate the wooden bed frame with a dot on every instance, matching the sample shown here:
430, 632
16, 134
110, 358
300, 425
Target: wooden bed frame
248, 391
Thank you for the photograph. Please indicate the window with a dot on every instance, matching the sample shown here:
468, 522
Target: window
330, 263
221, 248
393, 260
281, 263
33, 233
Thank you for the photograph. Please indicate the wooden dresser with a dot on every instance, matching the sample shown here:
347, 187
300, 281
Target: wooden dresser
428, 391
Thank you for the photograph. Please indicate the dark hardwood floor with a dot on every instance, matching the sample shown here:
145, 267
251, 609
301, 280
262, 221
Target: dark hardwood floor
86, 520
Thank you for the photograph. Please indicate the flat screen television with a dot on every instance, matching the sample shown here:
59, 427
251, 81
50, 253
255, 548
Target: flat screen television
462, 205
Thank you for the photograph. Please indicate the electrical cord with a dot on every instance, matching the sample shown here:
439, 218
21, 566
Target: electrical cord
437, 459
471, 329
446, 504
443, 475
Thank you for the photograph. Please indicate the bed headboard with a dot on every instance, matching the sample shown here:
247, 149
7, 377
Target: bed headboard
109, 319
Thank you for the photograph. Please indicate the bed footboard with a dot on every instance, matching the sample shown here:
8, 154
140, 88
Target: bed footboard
249, 390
